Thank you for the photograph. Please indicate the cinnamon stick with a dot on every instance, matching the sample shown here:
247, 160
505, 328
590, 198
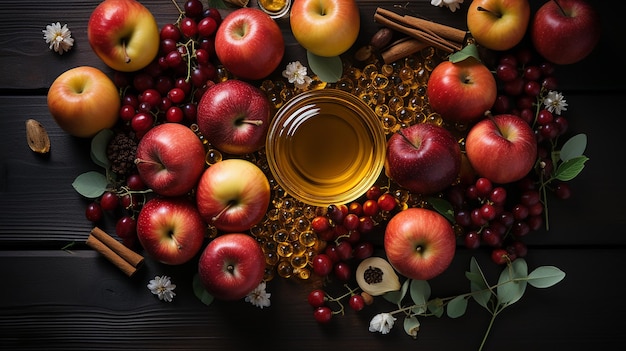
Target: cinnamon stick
121, 256
114, 258
438, 35
402, 49
135, 259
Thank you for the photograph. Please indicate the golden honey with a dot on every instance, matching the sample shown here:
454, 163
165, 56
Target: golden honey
275, 8
325, 147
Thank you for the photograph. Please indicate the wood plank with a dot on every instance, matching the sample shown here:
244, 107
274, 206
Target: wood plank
80, 301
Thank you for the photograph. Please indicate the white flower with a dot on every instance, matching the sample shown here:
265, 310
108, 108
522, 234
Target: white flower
453, 5
162, 287
382, 322
259, 297
59, 38
555, 102
296, 73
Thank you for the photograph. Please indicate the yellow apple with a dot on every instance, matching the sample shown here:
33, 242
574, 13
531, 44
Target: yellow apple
498, 24
83, 101
325, 27
124, 34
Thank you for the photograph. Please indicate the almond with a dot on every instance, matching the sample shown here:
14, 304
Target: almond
37, 137
381, 38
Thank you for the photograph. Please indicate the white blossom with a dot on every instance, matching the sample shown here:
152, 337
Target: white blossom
59, 38
162, 287
259, 297
554, 102
453, 5
296, 73
382, 322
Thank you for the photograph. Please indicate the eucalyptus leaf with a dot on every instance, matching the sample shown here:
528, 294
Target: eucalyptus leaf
200, 291
99, 145
443, 207
435, 306
512, 282
420, 291
569, 169
396, 297
573, 147
327, 69
468, 51
90, 184
478, 284
411, 326
457, 307
545, 276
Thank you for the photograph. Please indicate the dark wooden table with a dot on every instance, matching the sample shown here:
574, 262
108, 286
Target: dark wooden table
75, 299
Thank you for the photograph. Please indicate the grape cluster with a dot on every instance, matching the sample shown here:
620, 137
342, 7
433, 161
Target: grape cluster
169, 88
342, 228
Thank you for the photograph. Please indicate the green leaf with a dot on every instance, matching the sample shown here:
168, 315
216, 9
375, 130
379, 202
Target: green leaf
327, 69
200, 291
90, 184
218, 4
512, 282
443, 207
569, 169
545, 276
435, 306
468, 51
396, 297
411, 326
99, 145
573, 147
457, 307
420, 292
478, 284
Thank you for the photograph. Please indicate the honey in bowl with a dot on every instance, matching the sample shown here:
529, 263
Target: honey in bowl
325, 147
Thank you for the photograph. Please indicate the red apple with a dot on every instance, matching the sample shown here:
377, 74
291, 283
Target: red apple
170, 229
124, 34
233, 195
498, 24
461, 91
325, 27
234, 116
501, 148
419, 243
423, 158
83, 101
566, 31
231, 266
170, 159
249, 43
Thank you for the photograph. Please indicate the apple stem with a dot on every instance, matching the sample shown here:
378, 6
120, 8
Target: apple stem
257, 122
480, 8
126, 57
217, 216
493, 120
560, 7
141, 160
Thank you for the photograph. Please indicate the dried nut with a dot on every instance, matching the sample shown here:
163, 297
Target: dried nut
381, 38
375, 276
364, 53
37, 137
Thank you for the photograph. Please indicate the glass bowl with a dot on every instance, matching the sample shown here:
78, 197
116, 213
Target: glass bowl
325, 147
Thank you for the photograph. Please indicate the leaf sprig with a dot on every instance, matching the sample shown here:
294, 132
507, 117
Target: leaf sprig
509, 289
